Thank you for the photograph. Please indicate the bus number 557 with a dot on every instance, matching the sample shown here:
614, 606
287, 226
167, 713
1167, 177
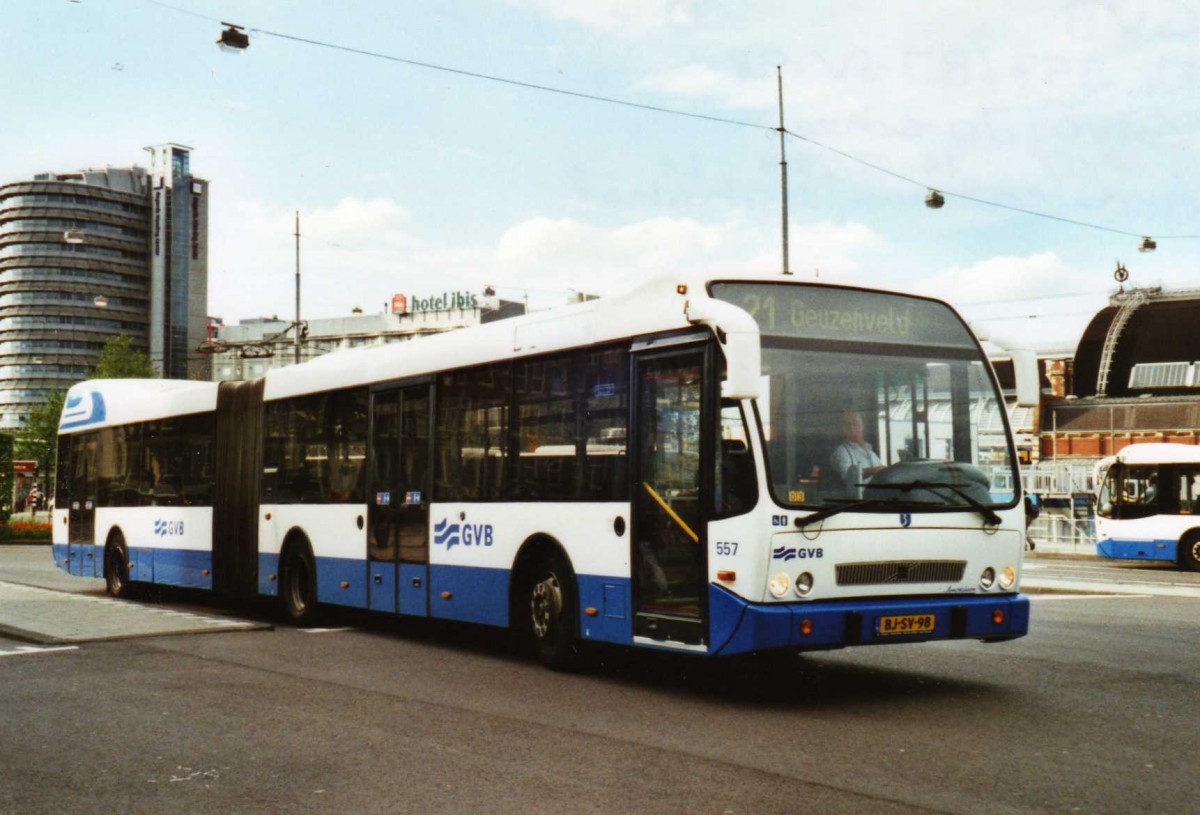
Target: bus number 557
726, 548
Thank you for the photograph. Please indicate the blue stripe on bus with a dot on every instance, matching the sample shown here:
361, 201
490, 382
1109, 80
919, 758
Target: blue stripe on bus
1137, 550
740, 627
59, 552
268, 575
609, 596
476, 594
342, 581
171, 567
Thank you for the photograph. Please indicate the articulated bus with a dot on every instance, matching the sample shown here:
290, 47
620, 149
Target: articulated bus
714, 467
1148, 504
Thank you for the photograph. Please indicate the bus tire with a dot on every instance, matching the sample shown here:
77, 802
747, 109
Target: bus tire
1189, 551
553, 613
298, 584
116, 566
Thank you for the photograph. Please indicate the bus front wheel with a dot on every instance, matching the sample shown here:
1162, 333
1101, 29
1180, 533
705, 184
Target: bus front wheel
116, 566
1189, 551
553, 614
298, 585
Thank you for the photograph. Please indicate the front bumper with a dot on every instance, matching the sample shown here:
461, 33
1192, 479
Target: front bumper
837, 624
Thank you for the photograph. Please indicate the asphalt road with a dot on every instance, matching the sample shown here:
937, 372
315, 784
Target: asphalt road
1097, 710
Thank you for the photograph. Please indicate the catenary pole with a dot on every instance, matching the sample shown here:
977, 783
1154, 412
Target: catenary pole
783, 171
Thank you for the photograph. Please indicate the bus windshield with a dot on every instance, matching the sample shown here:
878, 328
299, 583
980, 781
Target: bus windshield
874, 397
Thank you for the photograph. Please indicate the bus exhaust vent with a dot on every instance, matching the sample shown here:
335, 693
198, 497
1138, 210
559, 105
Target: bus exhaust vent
900, 571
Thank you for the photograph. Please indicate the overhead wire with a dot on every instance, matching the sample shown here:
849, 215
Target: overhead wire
682, 113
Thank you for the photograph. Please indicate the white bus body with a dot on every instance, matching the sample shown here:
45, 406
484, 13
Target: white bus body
651, 469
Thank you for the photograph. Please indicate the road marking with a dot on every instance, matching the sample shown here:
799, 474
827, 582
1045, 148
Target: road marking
1043, 597
323, 630
26, 650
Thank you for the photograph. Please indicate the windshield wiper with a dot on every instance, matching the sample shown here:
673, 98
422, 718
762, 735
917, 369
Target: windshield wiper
870, 503
933, 486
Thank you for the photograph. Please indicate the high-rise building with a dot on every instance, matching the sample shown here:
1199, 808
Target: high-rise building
90, 255
178, 263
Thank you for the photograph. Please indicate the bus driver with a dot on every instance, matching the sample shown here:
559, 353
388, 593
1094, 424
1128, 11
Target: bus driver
853, 459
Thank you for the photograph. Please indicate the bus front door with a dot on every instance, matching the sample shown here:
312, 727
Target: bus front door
398, 504
669, 597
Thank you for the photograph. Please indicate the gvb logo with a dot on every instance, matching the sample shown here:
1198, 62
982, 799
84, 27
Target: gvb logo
163, 528
451, 535
82, 408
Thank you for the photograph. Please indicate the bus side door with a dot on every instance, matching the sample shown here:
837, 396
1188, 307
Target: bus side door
398, 502
668, 557
81, 518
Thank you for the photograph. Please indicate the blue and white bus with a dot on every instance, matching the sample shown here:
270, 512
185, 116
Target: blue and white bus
659, 470
1148, 504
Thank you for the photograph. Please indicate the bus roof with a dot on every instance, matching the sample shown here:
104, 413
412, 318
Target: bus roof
661, 304
656, 306
105, 402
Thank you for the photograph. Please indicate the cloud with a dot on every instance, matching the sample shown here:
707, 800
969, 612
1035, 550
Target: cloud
360, 252
1038, 298
621, 17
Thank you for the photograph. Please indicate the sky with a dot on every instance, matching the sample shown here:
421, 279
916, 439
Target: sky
410, 178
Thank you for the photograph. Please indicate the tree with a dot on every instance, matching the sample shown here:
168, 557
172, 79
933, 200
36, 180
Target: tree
38, 440
39, 437
119, 360
6, 477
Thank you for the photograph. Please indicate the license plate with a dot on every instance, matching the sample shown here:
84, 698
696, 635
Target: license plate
907, 624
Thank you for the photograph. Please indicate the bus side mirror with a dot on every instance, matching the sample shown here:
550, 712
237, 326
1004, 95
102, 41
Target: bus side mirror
737, 333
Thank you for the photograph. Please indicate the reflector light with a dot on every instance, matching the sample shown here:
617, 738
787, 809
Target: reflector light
806, 627
681, 288
344, 584
271, 578
998, 616
591, 611
727, 576
446, 595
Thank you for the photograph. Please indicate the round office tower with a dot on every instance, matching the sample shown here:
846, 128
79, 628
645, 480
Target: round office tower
74, 273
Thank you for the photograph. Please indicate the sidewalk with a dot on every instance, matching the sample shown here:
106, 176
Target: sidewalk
42, 604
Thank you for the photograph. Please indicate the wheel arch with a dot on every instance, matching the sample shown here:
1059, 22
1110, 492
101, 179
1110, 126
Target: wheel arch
296, 537
1189, 537
537, 546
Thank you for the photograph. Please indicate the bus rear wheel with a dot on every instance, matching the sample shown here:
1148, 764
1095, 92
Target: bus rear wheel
553, 614
116, 566
298, 585
1189, 551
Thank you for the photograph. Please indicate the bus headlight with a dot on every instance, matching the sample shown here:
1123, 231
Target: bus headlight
988, 578
779, 584
1008, 578
804, 583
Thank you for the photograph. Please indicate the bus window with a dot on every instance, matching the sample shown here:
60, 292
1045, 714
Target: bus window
1187, 490
547, 458
736, 488
178, 457
605, 425
472, 434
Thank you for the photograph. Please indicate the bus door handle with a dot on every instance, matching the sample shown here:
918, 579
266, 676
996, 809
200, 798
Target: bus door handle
416, 582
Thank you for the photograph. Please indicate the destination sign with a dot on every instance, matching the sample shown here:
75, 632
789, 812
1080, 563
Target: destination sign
827, 313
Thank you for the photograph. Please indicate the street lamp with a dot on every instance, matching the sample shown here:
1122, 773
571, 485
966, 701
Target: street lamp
233, 40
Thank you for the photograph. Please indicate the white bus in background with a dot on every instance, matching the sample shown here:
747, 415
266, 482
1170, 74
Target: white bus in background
655, 470
1148, 504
